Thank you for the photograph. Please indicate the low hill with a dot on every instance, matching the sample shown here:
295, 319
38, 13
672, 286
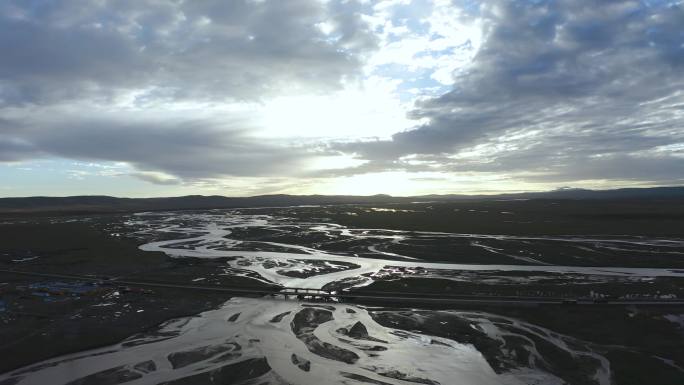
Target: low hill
94, 204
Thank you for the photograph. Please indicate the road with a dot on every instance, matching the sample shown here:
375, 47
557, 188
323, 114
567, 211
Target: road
405, 298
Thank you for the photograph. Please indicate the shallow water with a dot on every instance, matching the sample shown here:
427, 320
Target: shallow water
209, 236
282, 341
278, 341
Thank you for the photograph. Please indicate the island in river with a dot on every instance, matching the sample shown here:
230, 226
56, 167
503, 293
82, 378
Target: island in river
98, 331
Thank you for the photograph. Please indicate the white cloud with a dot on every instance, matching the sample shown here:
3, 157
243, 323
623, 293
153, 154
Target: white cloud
156, 177
301, 96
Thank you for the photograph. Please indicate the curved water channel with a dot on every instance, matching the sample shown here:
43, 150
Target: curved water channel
274, 341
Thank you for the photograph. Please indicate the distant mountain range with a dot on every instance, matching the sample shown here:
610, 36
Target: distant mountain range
94, 204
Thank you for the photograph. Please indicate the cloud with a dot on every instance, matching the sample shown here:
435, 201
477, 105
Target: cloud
252, 93
208, 50
165, 86
156, 178
564, 89
182, 148
13, 148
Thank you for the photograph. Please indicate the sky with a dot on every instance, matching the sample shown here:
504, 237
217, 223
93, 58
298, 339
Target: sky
145, 98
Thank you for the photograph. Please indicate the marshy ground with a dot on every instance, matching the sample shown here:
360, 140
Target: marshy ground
565, 249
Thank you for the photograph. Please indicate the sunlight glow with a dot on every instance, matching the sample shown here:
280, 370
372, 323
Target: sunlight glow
372, 109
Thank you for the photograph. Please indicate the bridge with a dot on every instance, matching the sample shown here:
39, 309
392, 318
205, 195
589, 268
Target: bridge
387, 298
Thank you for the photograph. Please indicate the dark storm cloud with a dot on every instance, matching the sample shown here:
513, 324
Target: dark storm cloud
215, 50
589, 85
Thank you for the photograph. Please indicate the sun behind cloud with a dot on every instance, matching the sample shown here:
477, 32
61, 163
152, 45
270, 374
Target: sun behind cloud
354, 97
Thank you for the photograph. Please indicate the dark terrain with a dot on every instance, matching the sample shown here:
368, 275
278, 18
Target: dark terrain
70, 321
108, 204
65, 316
